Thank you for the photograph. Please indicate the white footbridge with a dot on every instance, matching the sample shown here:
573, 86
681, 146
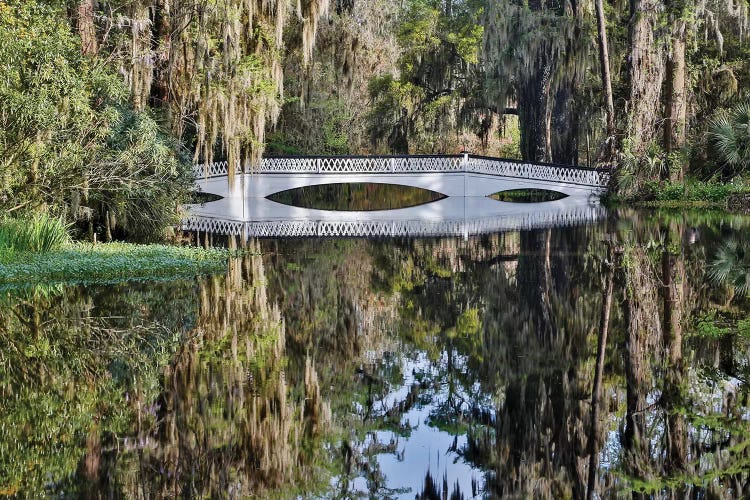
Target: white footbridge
465, 180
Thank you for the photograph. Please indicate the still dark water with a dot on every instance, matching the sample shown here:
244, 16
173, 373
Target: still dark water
396, 369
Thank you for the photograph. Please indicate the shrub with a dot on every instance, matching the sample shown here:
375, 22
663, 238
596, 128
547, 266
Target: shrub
729, 135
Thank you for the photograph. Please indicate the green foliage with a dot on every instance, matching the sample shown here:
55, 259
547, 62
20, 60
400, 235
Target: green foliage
110, 262
436, 88
511, 140
729, 134
73, 378
326, 134
689, 191
708, 327
636, 173
743, 328
335, 138
40, 233
468, 323
139, 179
278, 143
69, 138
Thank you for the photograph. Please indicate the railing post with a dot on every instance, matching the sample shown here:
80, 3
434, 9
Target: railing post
392, 162
317, 164
465, 162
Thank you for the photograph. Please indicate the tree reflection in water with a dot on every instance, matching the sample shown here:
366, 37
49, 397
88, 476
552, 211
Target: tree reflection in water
325, 373
217, 419
226, 420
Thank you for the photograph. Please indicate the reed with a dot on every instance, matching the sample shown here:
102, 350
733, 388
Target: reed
40, 233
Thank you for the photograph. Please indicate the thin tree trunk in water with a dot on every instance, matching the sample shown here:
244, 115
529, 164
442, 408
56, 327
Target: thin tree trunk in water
646, 74
635, 441
675, 119
606, 78
91, 463
673, 279
593, 449
86, 27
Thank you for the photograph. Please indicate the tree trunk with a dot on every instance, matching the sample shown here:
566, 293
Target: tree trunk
141, 56
160, 46
675, 120
562, 132
646, 74
533, 101
86, 27
606, 78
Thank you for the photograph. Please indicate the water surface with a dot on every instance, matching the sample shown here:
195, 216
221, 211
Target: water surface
396, 368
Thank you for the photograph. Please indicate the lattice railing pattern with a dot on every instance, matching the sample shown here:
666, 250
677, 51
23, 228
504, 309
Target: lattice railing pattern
361, 164
405, 228
208, 170
416, 164
553, 173
216, 226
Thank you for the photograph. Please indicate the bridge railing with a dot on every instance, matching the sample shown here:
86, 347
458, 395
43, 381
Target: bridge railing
415, 164
538, 171
361, 164
398, 228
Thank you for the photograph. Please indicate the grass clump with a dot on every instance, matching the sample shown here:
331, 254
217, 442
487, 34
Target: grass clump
110, 262
38, 233
690, 193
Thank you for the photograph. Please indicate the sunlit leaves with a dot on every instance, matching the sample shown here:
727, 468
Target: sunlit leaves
68, 134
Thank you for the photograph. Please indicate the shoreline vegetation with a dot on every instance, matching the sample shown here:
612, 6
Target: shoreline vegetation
39, 250
81, 262
733, 197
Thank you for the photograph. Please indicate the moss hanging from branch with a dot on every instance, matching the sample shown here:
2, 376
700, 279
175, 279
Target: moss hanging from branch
216, 67
538, 56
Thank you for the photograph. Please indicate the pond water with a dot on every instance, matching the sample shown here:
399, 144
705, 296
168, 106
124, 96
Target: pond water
396, 368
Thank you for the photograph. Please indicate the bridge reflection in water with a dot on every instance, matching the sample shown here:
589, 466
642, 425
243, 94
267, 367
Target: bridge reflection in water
447, 217
466, 210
